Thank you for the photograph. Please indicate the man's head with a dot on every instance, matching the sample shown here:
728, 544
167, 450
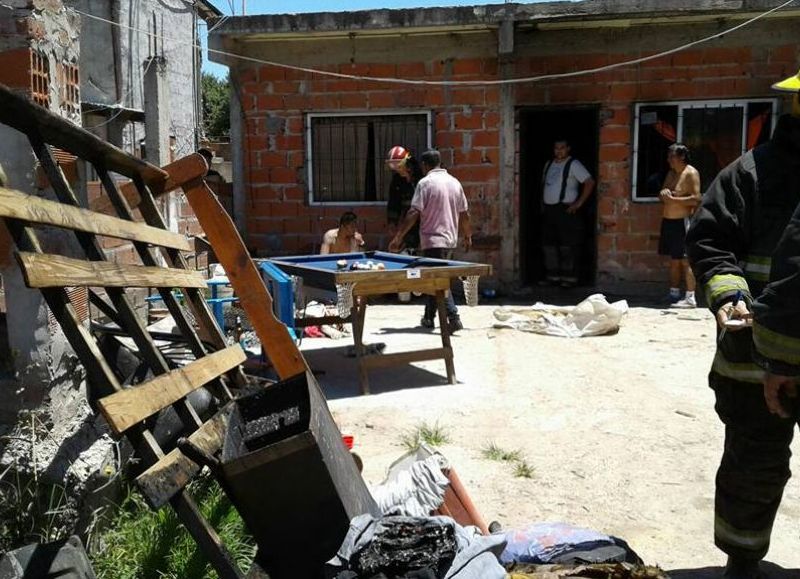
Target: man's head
347, 224
561, 149
677, 156
431, 159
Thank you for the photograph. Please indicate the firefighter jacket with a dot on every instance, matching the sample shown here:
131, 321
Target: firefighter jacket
733, 238
776, 312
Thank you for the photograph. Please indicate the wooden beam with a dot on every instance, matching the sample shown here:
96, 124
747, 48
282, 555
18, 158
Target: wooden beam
127, 407
168, 476
18, 205
179, 173
253, 296
26, 116
46, 270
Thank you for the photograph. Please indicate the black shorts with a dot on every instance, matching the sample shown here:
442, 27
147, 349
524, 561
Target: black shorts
673, 238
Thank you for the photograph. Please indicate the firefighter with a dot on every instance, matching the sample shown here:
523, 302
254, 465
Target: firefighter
731, 244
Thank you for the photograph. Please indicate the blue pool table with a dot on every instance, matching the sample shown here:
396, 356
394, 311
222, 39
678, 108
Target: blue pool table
402, 273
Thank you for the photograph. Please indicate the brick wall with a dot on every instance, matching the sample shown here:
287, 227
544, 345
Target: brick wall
467, 132
275, 102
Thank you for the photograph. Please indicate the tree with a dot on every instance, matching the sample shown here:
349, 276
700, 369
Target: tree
216, 106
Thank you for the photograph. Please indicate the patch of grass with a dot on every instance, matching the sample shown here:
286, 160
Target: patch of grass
493, 452
139, 543
523, 470
432, 435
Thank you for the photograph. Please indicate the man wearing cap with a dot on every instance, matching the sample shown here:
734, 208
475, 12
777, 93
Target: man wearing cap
731, 246
441, 207
563, 230
406, 173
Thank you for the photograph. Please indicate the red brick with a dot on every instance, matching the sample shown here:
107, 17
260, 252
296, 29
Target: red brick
787, 53
624, 92
249, 74
411, 70
287, 209
294, 194
296, 159
486, 138
381, 100
287, 87
271, 159
606, 244
383, 70
411, 97
355, 68
297, 225
435, 97
491, 120
269, 73
282, 175
289, 142
294, 125
468, 122
296, 102
15, 68
491, 96
467, 66
445, 139
258, 175
353, 100
467, 96
615, 135
470, 157
476, 174
688, 58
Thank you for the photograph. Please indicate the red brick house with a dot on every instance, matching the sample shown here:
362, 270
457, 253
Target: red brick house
311, 146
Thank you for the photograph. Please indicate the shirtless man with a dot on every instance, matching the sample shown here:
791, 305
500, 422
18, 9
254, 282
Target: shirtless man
343, 239
680, 195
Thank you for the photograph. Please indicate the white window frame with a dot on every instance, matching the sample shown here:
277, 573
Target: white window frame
368, 113
682, 106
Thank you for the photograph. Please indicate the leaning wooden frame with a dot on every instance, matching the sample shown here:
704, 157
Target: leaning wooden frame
128, 411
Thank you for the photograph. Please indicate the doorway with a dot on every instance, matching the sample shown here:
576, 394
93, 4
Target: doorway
538, 128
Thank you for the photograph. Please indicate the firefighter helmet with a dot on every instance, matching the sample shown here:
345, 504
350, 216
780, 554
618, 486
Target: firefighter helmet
397, 157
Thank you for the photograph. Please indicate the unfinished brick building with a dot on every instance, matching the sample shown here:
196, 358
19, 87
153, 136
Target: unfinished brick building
311, 146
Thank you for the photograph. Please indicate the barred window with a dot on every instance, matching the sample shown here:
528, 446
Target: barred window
716, 133
346, 153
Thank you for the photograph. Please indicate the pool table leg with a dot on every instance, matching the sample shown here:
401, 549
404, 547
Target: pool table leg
358, 313
444, 325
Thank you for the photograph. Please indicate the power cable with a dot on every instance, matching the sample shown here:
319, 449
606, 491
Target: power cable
509, 81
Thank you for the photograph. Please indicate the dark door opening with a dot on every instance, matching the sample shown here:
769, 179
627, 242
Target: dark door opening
538, 128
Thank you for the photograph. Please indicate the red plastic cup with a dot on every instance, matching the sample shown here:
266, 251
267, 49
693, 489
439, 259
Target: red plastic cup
348, 441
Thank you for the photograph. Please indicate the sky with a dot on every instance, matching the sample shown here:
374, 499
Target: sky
297, 6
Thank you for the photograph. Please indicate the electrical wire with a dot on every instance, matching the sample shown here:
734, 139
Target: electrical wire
121, 101
508, 81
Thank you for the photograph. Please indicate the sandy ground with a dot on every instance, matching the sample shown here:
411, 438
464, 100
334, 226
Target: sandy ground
620, 429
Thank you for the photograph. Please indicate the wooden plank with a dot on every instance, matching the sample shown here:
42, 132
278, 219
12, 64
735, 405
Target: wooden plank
382, 287
179, 173
399, 358
444, 326
18, 205
18, 112
46, 270
127, 407
245, 280
168, 476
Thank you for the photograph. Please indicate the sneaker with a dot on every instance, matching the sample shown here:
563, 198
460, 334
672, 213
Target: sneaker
427, 323
742, 569
685, 304
673, 298
455, 325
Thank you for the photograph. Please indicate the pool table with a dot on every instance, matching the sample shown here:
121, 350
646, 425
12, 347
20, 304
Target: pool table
402, 273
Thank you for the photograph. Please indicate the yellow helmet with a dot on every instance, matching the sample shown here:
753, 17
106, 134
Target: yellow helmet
791, 84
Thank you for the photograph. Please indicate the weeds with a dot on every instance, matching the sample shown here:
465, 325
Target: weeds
494, 452
143, 544
522, 469
435, 435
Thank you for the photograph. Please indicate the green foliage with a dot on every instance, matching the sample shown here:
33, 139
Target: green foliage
32, 511
216, 107
139, 543
523, 470
494, 452
435, 435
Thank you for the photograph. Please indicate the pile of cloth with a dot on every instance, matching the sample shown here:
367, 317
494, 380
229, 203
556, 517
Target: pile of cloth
594, 316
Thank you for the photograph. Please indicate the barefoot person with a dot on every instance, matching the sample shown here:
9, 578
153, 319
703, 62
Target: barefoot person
680, 195
343, 239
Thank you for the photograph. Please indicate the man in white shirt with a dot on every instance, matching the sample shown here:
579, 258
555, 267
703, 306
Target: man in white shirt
566, 186
441, 207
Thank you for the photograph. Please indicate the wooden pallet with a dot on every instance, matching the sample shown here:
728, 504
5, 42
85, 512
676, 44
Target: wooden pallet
128, 410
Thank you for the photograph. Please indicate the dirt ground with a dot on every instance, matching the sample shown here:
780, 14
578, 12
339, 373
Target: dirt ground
620, 430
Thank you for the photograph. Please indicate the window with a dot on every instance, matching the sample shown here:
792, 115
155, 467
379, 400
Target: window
715, 132
346, 153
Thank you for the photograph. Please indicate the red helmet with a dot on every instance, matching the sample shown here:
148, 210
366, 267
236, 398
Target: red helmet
397, 156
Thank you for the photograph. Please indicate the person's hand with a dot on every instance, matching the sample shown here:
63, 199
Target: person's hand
573, 208
467, 242
395, 245
359, 239
774, 385
729, 312
665, 194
